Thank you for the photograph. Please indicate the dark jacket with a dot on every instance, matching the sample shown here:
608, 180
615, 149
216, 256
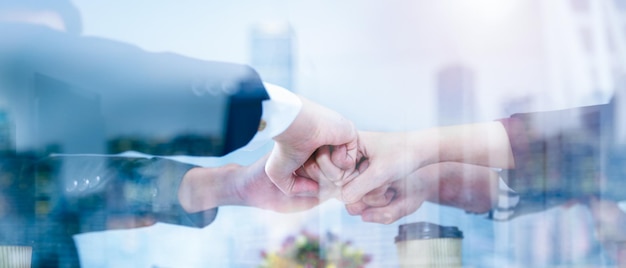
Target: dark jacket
66, 101
566, 155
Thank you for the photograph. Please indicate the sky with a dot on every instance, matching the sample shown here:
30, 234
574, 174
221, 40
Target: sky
353, 50
345, 50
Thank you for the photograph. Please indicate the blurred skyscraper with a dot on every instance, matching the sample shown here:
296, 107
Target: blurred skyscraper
6, 133
272, 52
455, 95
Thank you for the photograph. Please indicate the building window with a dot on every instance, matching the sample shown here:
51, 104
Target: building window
455, 95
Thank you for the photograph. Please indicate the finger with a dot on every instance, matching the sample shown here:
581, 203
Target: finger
311, 170
376, 197
352, 150
342, 133
356, 208
257, 190
326, 188
326, 166
371, 178
359, 168
281, 168
302, 172
306, 171
303, 186
380, 197
341, 159
402, 205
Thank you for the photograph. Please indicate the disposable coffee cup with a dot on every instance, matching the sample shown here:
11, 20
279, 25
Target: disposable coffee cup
15, 256
424, 244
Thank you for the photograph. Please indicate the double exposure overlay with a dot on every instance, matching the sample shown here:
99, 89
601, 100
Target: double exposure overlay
274, 133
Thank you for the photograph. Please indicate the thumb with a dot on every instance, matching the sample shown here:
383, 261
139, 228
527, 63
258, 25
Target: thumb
281, 168
365, 182
343, 158
344, 138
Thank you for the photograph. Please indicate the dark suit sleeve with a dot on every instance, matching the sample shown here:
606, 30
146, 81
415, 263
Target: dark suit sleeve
165, 177
563, 155
141, 97
87, 95
98, 193
103, 190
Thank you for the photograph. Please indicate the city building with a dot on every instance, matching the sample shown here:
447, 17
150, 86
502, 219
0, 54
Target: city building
272, 52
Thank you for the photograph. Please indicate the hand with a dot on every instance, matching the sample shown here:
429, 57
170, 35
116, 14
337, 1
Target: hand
382, 149
321, 168
206, 188
386, 158
468, 187
393, 156
314, 127
383, 159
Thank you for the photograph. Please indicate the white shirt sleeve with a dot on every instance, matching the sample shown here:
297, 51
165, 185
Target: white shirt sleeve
278, 114
507, 201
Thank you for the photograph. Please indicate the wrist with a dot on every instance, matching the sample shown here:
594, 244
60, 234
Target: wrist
301, 133
426, 147
484, 144
279, 112
206, 188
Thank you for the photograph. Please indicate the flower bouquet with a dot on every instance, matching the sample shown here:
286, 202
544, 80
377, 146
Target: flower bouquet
307, 250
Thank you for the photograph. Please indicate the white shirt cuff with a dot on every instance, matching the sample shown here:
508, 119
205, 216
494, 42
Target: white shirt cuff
278, 114
507, 201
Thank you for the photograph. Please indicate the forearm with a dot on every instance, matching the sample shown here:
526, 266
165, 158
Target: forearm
207, 188
394, 156
468, 187
483, 144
